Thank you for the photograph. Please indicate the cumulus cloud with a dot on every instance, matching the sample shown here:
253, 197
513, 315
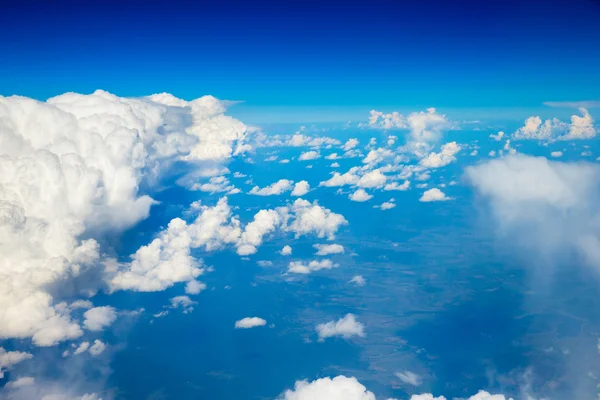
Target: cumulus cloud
360, 195
338, 388
386, 205
97, 348
551, 206
70, 172
311, 218
277, 188
217, 184
98, 318
580, 127
497, 137
10, 358
434, 194
298, 267
372, 179
20, 382
443, 158
350, 144
286, 250
301, 188
184, 303
326, 249
396, 186
410, 378
249, 322
345, 327
358, 280
349, 178
309, 155
556, 154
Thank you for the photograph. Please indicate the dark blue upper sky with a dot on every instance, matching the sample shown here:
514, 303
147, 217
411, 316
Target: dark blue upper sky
461, 54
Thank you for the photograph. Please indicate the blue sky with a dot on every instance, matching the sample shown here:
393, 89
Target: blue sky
308, 55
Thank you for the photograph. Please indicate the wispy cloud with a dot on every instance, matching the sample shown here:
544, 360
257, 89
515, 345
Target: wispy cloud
573, 104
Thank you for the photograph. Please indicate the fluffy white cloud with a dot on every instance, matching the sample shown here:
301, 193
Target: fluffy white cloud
497, 137
556, 154
10, 358
326, 249
345, 327
580, 127
298, 267
434, 194
249, 322
97, 348
70, 172
311, 218
350, 144
98, 318
277, 188
301, 188
217, 184
360, 195
20, 382
349, 178
387, 205
83, 347
286, 251
377, 156
184, 303
443, 158
309, 155
332, 156
372, 179
338, 388
549, 206
395, 186
481, 395
194, 287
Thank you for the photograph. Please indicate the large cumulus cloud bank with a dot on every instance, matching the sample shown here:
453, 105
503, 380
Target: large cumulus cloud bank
71, 169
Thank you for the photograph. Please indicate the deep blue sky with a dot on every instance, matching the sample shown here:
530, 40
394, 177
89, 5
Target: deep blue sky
459, 54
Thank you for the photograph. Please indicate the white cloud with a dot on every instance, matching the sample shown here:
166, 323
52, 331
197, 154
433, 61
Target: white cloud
372, 179
215, 184
377, 156
443, 158
286, 251
387, 205
314, 219
10, 358
349, 178
395, 186
497, 137
301, 188
434, 194
332, 156
20, 382
249, 322
271, 158
71, 171
345, 327
410, 378
360, 195
549, 206
358, 280
338, 388
298, 267
194, 287
580, 127
83, 347
326, 249
98, 318
309, 155
97, 348
277, 188
335, 165
350, 144
183, 302
556, 154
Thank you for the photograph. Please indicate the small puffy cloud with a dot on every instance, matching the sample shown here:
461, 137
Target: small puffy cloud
335, 165
284, 161
360, 195
395, 186
286, 251
410, 378
350, 144
277, 188
338, 388
309, 155
349, 178
497, 137
556, 154
372, 179
10, 358
98, 318
386, 205
183, 302
301, 188
298, 267
345, 327
326, 249
358, 280
83, 347
434, 194
332, 156
194, 287
97, 348
271, 158
311, 218
216, 184
377, 156
443, 158
249, 322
